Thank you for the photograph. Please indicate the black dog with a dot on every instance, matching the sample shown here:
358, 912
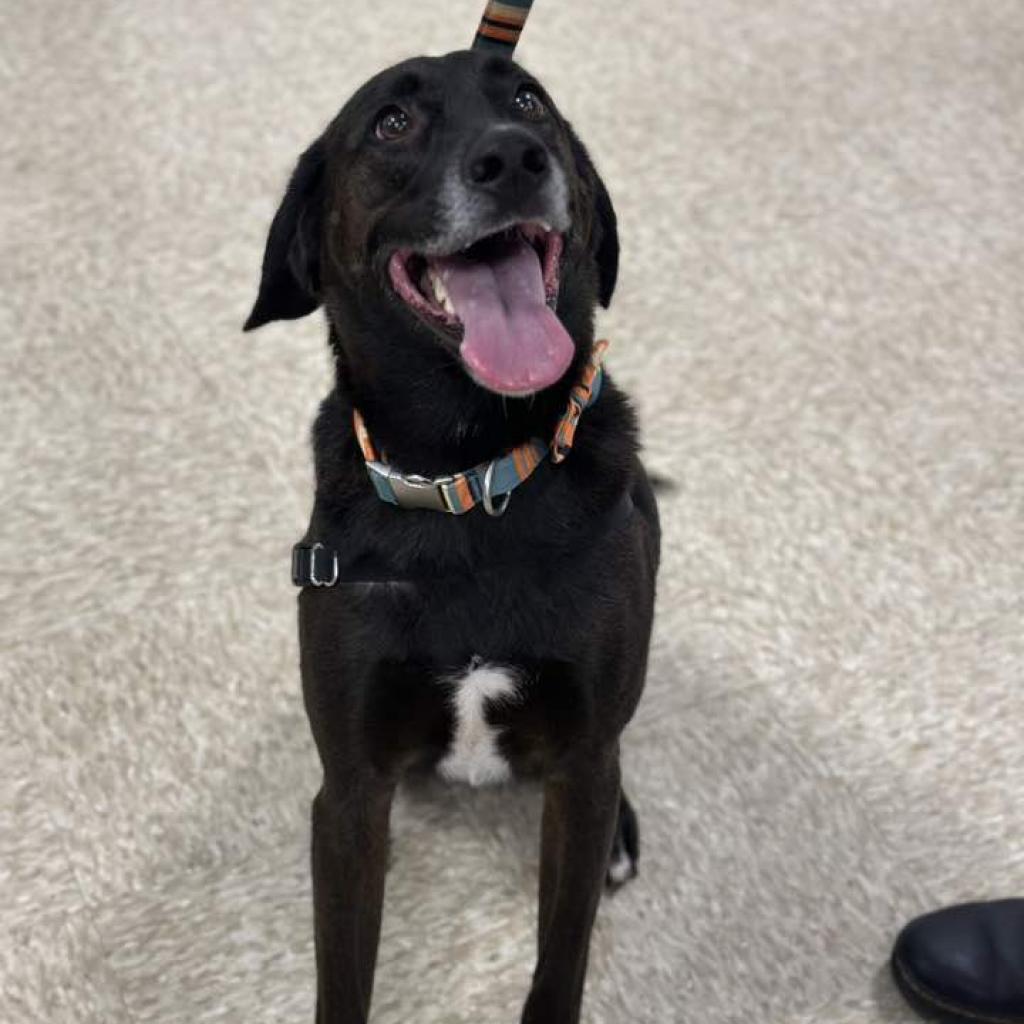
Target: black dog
459, 238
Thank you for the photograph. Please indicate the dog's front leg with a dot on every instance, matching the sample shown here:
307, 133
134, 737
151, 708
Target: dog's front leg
580, 811
350, 854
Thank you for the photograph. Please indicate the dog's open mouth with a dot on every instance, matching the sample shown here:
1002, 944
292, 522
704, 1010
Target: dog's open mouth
497, 297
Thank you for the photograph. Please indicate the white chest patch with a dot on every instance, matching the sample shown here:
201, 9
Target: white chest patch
474, 756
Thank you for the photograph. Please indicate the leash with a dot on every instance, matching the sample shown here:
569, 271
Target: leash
501, 25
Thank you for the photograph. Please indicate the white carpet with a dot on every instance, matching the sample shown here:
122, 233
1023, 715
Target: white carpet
821, 315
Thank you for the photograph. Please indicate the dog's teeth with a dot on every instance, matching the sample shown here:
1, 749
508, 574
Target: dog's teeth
441, 294
545, 226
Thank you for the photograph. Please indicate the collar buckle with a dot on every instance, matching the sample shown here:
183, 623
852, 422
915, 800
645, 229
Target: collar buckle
409, 490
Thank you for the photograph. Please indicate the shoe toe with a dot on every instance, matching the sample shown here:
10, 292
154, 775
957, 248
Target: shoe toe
967, 961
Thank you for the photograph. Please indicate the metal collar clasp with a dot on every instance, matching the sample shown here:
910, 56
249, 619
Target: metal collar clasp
409, 490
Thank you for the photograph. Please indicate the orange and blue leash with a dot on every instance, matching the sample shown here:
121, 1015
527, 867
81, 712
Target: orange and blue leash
501, 25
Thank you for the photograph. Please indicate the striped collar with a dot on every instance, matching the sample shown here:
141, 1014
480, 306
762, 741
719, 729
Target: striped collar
497, 479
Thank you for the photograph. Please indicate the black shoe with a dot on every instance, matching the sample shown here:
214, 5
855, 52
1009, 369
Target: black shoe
964, 964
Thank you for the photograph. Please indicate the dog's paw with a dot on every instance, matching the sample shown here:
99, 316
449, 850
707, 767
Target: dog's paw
622, 865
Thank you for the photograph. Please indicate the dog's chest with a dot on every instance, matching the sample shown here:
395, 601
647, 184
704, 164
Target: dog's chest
425, 700
476, 697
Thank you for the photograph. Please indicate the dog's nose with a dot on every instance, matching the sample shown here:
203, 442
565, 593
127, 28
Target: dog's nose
507, 160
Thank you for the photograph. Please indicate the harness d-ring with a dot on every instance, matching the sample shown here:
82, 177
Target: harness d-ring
485, 498
315, 580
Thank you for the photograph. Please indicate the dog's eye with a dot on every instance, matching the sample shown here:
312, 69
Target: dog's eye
392, 123
528, 103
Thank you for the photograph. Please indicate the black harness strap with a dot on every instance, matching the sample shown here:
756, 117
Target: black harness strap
317, 565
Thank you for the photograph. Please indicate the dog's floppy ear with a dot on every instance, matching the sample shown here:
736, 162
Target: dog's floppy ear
605, 239
290, 282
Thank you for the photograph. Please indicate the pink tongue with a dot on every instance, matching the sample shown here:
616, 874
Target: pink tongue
512, 343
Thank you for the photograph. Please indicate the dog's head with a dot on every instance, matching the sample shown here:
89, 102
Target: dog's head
451, 204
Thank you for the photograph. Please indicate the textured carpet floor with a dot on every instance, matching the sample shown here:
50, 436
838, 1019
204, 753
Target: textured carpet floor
821, 316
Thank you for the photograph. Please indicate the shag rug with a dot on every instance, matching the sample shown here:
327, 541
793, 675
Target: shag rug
821, 318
